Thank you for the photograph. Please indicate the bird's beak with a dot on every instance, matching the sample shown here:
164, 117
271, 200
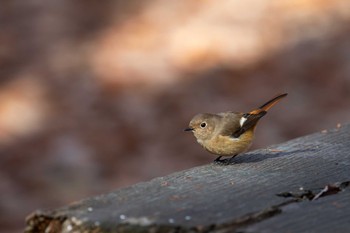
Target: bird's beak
188, 129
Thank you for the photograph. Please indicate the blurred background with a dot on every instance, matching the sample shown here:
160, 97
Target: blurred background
94, 95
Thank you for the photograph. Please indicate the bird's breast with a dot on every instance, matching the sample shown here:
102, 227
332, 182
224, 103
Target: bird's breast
227, 145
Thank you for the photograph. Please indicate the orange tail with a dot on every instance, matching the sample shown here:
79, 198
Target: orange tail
269, 104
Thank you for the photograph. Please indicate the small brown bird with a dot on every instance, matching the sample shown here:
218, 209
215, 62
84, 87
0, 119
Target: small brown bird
228, 133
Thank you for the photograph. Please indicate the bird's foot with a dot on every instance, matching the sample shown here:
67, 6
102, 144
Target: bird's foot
220, 161
231, 160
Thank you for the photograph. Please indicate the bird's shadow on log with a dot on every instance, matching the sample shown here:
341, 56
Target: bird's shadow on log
260, 155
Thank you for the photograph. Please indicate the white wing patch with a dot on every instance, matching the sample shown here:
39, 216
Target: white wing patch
234, 139
242, 120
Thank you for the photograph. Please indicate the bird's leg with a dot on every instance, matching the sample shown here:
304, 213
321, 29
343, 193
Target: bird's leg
230, 160
218, 160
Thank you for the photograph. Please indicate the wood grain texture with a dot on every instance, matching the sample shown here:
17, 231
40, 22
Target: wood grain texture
329, 214
240, 197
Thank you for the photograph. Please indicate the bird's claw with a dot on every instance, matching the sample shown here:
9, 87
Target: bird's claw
220, 161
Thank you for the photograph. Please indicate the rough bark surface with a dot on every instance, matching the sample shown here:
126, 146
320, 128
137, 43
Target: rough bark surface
300, 185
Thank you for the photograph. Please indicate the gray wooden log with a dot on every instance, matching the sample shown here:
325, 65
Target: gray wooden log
278, 189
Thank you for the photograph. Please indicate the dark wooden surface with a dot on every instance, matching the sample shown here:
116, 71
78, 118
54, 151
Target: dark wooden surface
241, 197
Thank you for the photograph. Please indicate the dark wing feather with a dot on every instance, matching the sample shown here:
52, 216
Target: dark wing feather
251, 121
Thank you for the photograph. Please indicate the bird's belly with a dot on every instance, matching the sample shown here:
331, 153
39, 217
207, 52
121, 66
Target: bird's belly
226, 146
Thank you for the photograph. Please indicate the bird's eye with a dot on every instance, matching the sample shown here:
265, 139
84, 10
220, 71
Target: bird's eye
203, 124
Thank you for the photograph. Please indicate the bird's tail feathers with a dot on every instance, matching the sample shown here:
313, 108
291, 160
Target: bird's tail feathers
266, 106
251, 118
272, 102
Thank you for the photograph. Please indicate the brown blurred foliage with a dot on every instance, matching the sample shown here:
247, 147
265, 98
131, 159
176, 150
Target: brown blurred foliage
94, 94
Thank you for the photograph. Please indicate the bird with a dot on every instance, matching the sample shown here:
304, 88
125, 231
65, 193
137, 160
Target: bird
228, 133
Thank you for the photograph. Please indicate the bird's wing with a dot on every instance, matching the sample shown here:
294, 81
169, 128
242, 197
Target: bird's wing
238, 123
249, 120
235, 124
230, 123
